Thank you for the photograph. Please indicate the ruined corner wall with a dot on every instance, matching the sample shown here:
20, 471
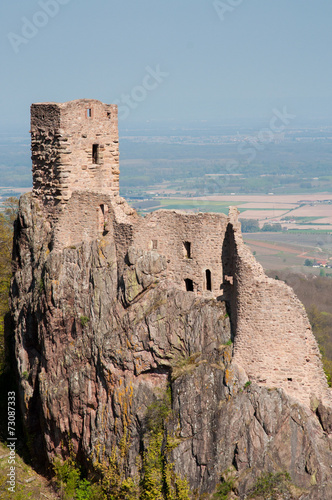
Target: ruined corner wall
273, 339
75, 147
45, 151
88, 216
166, 232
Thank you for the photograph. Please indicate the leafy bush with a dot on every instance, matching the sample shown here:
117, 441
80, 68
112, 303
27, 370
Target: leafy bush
224, 489
84, 321
159, 481
70, 484
270, 486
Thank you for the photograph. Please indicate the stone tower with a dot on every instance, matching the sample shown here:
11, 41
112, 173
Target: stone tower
75, 147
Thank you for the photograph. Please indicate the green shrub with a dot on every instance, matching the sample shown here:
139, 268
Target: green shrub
224, 489
70, 484
41, 286
84, 321
156, 479
271, 485
159, 481
67, 477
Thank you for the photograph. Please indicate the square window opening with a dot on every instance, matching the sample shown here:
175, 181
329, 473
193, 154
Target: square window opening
189, 285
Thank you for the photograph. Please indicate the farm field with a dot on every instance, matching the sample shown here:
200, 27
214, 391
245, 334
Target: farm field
312, 211
308, 222
289, 250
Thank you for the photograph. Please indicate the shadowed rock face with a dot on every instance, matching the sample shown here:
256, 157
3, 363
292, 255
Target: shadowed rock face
98, 342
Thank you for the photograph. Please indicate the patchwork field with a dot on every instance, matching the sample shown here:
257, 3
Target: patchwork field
291, 249
312, 211
307, 220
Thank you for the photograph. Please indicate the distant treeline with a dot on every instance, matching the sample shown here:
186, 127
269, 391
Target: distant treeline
252, 226
202, 169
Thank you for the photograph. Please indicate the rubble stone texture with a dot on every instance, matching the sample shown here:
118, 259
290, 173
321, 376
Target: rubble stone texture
105, 319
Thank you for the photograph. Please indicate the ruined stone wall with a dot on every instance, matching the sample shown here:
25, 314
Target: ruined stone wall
75, 147
45, 151
88, 216
75, 164
273, 338
167, 232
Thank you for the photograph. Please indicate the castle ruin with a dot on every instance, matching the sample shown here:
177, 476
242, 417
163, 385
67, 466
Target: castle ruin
75, 155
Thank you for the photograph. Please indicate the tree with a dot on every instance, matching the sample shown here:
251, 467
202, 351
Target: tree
249, 225
272, 227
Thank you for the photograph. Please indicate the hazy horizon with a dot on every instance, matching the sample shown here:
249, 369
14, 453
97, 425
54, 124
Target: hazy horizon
220, 62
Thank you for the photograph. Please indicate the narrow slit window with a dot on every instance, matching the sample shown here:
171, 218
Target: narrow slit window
95, 153
187, 249
208, 280
89, 113
104, 209
154, 244
189, 285
103, 219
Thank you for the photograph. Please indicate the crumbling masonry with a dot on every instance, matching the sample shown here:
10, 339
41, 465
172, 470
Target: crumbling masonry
75, 154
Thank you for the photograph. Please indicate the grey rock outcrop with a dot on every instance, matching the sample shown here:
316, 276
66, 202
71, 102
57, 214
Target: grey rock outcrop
98, 341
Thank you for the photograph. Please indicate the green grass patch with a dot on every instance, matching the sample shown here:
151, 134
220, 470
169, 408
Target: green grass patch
29, 484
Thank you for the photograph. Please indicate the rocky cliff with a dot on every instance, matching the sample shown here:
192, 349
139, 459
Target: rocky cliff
119, 364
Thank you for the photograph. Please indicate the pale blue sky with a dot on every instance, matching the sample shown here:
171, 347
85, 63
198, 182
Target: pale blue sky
264, 54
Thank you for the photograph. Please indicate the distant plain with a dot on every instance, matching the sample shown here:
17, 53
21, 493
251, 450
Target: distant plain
202, 168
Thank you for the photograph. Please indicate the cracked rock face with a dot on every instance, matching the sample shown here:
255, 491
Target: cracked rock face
95, 349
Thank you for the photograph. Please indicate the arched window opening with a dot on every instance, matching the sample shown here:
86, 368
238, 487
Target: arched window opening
189, 285
208, 280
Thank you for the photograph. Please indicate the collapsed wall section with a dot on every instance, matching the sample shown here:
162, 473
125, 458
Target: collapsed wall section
89, 216
273, 338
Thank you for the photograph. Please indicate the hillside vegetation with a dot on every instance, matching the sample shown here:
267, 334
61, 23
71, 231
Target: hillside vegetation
7, 218
29, 484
